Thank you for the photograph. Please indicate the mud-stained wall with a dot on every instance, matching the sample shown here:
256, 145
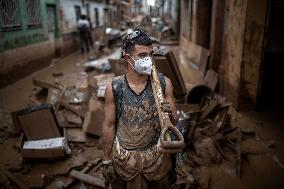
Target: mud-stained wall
216, 35
233, 47
253, 47
17, 63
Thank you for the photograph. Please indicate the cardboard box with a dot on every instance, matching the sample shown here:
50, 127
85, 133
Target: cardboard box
53, 148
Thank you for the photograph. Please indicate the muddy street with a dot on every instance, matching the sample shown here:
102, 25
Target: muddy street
141, 94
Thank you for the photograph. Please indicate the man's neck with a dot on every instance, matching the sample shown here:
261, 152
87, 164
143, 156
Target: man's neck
136, 78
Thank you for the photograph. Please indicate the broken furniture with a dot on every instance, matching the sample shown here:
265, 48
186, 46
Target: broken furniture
42, 138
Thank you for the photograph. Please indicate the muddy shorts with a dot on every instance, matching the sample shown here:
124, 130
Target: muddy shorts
140, 167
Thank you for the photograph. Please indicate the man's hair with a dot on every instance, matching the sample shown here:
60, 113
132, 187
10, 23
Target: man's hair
137, 37
83, 16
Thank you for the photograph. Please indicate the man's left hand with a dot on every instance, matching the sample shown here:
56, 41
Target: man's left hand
166, 107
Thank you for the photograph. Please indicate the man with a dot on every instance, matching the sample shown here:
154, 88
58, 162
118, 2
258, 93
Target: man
90, 37
131, 128
83, 27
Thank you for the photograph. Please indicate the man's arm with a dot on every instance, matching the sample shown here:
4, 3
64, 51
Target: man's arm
169, 97
109, 123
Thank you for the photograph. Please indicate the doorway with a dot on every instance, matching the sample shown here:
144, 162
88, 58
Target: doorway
270, 89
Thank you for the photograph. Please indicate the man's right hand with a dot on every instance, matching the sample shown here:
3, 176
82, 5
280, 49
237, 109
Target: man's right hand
108, 173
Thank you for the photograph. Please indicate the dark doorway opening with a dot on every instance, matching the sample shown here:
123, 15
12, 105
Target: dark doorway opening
271, 93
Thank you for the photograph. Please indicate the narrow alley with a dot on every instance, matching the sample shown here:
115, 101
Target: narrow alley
58, 57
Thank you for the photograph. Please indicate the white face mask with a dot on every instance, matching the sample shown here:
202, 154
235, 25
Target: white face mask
143, 65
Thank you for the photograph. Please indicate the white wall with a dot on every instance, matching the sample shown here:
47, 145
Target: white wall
69, 17
100, 7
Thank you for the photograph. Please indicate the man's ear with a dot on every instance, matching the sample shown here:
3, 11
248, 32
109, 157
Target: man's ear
127, 57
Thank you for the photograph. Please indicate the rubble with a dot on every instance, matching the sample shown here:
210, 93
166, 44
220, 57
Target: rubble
215, 137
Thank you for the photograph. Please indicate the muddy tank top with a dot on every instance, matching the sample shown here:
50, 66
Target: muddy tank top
137, 120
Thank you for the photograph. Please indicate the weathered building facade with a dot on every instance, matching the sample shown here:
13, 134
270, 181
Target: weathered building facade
236, 35
29, 36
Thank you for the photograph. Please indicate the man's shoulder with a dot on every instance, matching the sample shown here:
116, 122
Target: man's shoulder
117, 82
118, 78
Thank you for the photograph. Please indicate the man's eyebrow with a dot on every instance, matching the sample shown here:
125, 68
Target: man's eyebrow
142, 53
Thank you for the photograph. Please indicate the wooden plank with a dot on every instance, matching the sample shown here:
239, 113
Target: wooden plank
164, 65
89, 179
44, 84
38, 122
94, 120
196, 54
16, 180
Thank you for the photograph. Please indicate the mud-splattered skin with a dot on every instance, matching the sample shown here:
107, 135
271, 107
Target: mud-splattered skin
137, 121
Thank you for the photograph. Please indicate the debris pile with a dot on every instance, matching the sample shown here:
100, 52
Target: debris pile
216, 141
62, 125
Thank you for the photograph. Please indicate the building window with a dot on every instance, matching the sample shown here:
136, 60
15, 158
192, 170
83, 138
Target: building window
10, 13
33, 12
77, 12
96, 10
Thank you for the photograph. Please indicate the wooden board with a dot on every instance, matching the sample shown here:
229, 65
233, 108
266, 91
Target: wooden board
39, 122
94, 120
166, 67
196, 54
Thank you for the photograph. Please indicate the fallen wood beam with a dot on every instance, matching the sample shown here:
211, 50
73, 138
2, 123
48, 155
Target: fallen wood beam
58, 184
46, 85
84, 170
89, 179
16, 180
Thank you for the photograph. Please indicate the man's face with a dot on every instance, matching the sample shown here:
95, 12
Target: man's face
140, 51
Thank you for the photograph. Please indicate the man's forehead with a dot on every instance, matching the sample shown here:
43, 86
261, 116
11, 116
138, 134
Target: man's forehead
143, 48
